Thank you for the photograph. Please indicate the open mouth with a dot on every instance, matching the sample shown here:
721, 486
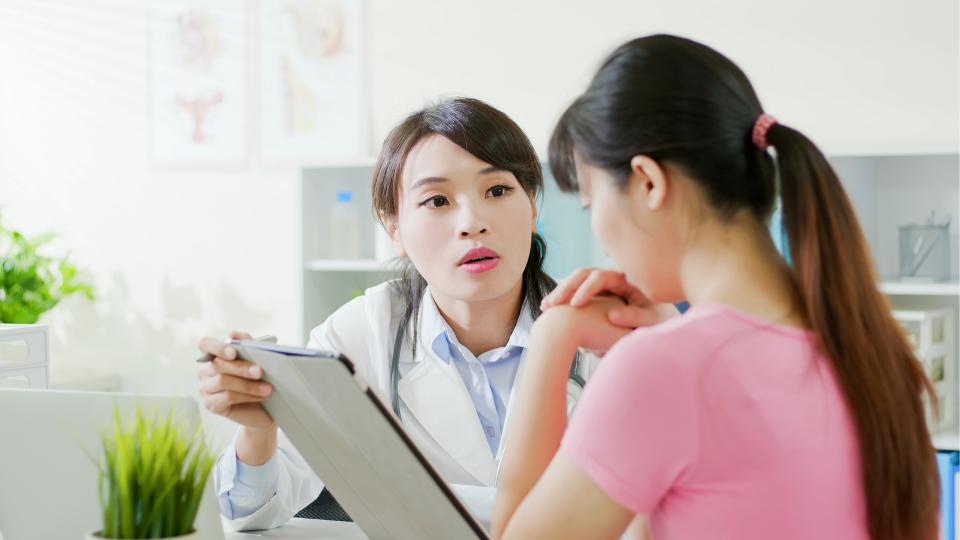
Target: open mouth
479, 259
478, 254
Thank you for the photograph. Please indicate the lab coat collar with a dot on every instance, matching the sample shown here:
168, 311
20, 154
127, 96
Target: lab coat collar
433, 391
436, 333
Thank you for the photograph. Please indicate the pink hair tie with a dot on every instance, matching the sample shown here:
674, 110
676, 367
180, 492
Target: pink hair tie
760, 128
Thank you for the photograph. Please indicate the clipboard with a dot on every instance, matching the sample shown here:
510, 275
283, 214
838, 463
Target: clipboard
357, 446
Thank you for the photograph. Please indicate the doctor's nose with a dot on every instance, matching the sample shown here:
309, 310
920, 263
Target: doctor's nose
471, 225
467, 231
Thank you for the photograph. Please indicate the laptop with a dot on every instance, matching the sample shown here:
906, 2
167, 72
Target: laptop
48, 482
355, 443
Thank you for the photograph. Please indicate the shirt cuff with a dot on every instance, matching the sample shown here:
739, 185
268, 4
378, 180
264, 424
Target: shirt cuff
243, 489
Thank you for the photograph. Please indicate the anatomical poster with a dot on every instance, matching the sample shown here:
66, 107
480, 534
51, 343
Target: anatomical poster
312, 89
197, 82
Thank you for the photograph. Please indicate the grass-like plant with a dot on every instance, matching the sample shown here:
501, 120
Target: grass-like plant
152, 476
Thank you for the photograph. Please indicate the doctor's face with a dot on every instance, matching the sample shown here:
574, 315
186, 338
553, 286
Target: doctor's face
465, 224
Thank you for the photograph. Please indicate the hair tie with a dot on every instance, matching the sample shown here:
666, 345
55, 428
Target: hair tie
760, 128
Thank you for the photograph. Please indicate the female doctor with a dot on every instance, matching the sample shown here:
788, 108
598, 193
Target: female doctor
455, 186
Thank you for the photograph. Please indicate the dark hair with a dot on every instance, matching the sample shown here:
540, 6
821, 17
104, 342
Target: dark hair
492, 137
686, 105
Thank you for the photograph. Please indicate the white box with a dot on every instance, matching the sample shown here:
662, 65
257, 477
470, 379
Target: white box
24, 354
931, 333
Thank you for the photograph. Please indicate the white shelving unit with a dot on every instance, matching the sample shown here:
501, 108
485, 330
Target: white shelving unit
901, 288
947, 440
346, 265
328, 282
892, 190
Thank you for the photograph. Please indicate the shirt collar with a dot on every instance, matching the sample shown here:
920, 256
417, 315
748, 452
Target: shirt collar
441, 338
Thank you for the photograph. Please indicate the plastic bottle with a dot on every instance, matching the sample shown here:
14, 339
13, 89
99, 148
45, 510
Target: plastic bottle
344, 222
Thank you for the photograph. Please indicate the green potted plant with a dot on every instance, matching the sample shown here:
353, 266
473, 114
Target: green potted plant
32, 283
152, 475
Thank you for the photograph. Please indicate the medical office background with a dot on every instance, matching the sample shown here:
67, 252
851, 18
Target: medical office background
206, 163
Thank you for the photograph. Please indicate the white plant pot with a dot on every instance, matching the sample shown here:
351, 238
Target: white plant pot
95, 535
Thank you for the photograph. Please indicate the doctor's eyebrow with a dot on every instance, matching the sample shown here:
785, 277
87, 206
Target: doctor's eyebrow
440, 179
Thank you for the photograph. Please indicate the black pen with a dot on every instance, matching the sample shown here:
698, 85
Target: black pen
209, 357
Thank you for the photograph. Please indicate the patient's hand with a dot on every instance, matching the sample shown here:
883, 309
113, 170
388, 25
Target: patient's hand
586, 283
231, 387
587, 326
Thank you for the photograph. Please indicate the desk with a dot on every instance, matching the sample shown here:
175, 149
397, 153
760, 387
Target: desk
305, 528
479, 499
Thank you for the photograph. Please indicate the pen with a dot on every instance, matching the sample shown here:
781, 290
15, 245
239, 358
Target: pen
209, 357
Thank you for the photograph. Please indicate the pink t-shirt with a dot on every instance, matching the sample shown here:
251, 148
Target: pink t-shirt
722, 426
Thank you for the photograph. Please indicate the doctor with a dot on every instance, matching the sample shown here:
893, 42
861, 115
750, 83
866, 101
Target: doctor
444, 343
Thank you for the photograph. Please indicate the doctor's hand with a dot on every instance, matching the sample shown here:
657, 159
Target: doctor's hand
231, 387
586, 283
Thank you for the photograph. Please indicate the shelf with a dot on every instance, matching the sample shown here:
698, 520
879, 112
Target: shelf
906, 288
947, 440
347, 265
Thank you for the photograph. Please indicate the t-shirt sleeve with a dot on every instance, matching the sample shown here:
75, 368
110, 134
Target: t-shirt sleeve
635, 430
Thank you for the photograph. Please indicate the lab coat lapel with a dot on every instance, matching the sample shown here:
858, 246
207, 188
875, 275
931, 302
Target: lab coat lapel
509, 415
434, 393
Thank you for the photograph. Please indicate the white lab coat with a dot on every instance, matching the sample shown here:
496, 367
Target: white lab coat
435, 407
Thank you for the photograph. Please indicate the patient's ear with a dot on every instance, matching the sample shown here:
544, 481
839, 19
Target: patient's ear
651, 179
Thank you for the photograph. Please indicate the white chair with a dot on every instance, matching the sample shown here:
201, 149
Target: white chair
24, 354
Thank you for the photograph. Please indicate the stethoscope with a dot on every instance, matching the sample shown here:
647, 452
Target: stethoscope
574, 375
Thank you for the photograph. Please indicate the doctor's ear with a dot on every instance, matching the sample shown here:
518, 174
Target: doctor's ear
393, 231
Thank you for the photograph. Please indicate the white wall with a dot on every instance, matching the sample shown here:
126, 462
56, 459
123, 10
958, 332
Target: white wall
166, 247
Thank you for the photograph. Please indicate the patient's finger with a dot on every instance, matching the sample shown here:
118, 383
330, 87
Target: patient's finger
608, 282
594, 284
564, 290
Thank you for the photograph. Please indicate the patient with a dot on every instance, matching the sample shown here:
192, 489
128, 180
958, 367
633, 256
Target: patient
786, 403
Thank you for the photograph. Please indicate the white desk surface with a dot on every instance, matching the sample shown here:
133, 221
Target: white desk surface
305, 528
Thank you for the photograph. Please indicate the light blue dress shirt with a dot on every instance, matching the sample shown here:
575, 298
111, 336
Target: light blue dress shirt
488, 379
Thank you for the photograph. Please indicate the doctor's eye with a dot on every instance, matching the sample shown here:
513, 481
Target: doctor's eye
435, 202
499, 191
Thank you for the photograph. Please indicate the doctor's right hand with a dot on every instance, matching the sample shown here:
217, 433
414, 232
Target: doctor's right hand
231, 387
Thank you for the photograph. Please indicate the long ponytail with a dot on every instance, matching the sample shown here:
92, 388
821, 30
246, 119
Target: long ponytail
874, 364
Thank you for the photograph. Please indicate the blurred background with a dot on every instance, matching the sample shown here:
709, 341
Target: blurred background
193, 157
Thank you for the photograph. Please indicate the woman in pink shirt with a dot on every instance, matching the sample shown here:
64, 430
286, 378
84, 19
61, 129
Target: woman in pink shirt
786, 403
